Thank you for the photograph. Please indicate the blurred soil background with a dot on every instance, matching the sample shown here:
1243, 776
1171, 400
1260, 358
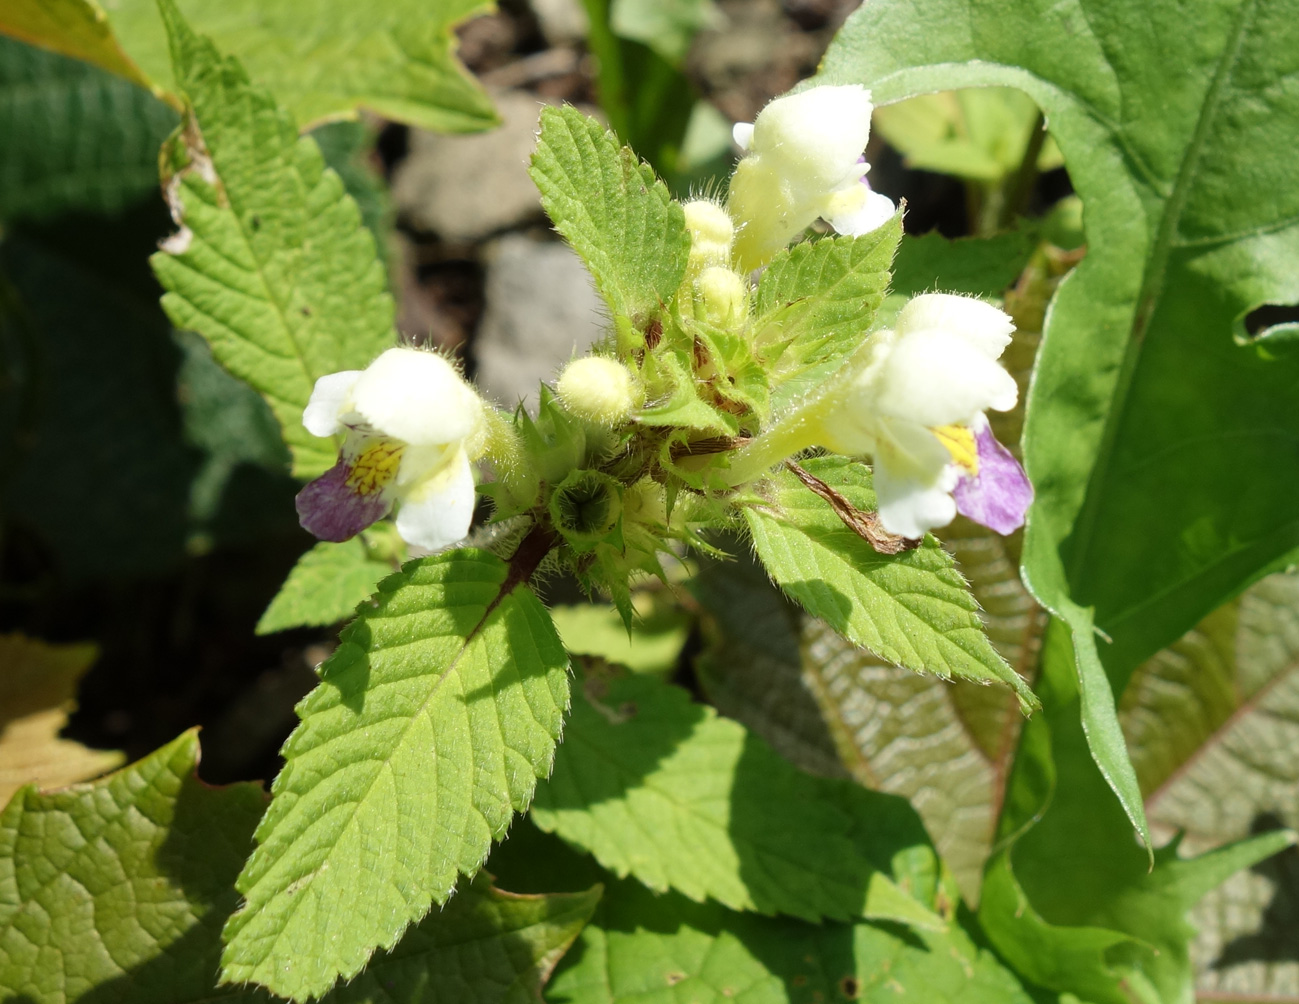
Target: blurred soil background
147, 508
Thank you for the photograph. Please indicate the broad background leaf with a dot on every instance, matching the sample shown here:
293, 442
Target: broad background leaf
609, 206
913, 609
1167, 127
656, 786
431, 723
271, 264
37, 686
1213, 723
320, 62
75, 136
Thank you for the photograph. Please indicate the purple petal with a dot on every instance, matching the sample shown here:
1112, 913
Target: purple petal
331, 509
999, 495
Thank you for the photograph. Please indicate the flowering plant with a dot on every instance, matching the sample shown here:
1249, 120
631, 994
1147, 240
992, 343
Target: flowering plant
999, 525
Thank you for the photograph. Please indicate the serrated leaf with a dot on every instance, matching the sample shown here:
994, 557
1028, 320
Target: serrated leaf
1072, 887
146, 860
646, 948
820, 299
1167, 128
913, 608
115, 891
324, 587
76, 137
1212, 725
980, 266
660, 788
38, 683
271, 264
318, 60
432, 721
616, 215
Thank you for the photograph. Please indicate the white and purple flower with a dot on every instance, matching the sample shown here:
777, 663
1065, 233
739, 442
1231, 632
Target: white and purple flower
412, 428
915, 402
803, 161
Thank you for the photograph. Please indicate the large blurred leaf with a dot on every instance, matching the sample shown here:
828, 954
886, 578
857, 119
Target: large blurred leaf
646, 948
75, 136
432, 721
911, 608
1073, 902
318, 58
271, 264
38, 683
119, 889
656, 786
1213, 723
1162, 451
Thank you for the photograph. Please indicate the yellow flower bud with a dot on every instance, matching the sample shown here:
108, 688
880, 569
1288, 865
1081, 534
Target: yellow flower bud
598, 389
722, 293
711, 234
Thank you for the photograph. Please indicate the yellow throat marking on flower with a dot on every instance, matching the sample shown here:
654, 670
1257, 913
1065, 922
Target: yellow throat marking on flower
375, 466
959, 442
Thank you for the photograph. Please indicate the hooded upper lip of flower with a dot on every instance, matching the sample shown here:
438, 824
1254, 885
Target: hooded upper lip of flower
411, 427
803, 161
915, 401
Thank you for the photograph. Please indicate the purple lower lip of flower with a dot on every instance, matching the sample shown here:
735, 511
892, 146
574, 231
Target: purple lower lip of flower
999, 495
331, 510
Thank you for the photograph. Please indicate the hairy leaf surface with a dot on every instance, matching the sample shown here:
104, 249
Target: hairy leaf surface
913, 608
429, 728
660, 788
271, 264
617, 216
324, 587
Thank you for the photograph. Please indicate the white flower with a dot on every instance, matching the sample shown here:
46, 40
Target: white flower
804, 160
914, 403
412, 428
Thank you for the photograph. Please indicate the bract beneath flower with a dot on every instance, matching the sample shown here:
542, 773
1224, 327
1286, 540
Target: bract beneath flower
915, 403
411, 425
803, 161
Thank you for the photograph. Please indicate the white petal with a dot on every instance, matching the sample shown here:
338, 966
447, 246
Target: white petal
872, 211
416, 397
986, 327
326, 403
913, 481
935, 378
742, 133
438, 511
818, 134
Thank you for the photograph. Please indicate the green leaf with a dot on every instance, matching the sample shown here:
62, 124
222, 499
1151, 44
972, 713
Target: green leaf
666, 26
1212, 726
146, 860
434, 717
613, 211
1161, 448
913, 608
324, 587
646, 948
1073, 903
76, 137
318, 60
271, 264
122, 885
661, 788
819, 299
37, 688
653, 645
980, 266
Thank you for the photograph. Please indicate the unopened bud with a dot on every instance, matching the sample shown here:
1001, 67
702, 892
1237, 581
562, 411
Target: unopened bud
722, 293
711, 234
598, 389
